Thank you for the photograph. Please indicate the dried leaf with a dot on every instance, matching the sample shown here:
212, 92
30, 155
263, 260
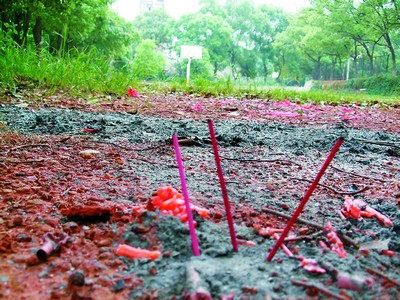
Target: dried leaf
376, 245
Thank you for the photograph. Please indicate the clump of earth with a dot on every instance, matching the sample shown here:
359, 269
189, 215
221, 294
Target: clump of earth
270, 155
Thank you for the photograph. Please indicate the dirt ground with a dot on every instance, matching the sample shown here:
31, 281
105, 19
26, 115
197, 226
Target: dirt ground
53, 191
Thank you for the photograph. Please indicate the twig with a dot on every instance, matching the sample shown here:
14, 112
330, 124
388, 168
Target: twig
235, 182
151, 148
315, 225
376, 272
378, 143
358, 175
319, 288
299, 220
260, 160
332, 189
393, 168
28, 145
28, 161
304, 237
66, 191
110, 143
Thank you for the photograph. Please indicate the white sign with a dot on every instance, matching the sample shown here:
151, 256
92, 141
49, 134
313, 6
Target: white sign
192, 52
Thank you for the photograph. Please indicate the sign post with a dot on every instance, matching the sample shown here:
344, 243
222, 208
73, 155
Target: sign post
191, 52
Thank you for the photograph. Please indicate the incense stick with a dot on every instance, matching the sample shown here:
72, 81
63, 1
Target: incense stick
223, 187
195, 245
303, 202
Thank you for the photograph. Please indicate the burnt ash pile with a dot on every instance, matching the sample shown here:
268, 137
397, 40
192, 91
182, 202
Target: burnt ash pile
268, 167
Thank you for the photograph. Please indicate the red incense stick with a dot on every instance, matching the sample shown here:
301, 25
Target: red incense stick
195, 244
303, 202
223, 187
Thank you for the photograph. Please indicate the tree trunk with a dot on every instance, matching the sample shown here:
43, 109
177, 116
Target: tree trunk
319, 69
281, 65
37, 33
265, 71
392, 53
59, 43
355, 61
25, 28
333, 65
215, 69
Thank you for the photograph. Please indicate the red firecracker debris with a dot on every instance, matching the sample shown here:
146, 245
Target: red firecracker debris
133, 93
336, 245
171, 202
356, 209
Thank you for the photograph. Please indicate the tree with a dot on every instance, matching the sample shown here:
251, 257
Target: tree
367, 22
148, 63
290, 63
65, 24
111, 35
208, 31
153, 25
384, 17
238, 12
267, 23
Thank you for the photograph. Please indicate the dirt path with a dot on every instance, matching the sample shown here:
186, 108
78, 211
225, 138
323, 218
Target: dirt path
270, 153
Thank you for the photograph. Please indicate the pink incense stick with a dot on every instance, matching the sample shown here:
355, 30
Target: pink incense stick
303, 202
223, 187
195, 244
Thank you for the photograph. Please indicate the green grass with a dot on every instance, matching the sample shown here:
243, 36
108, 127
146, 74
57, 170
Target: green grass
88, 73
74, 72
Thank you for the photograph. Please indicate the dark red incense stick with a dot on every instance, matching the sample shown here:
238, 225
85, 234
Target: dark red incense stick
195, 244
303, 202
223, 187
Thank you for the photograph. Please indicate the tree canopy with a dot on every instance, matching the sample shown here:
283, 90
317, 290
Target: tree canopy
328, 40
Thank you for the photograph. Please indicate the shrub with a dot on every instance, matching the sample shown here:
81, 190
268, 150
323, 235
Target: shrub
379, 85
148, 63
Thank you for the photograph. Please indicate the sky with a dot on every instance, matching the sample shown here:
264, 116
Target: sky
129, 9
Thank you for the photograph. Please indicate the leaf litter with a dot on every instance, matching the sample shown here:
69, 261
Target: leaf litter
97, 186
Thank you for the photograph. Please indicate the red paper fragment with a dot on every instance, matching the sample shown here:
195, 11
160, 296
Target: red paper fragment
284, 248
354, 283
246, 243
132, 252
335, 243
268, 231
133, 93
356, 209
90, 130
311, 266
284, 114
389, 253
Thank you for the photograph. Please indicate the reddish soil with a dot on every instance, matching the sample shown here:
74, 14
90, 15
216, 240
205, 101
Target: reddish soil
48, 185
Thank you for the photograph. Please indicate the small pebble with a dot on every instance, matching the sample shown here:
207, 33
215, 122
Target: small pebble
218, 215
119, 286
53, 222
77, 278
167, 254
153, 271
89, 153
71, 227
104, 242
277, 287
22, 237
25, 258
284, 206
17, 221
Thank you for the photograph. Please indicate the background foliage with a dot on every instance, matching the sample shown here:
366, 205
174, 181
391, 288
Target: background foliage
242, 42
